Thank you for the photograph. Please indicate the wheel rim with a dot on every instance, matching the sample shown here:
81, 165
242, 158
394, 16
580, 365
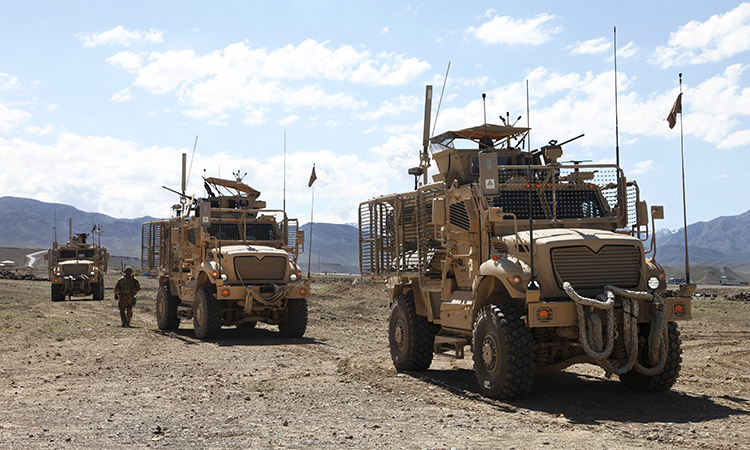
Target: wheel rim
161, 307
490, 353
200, 313
399, 333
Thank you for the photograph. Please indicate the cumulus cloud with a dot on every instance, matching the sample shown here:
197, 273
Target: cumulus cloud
123, 95
642, 167
8, 82
507, 30
566, 104
288, 120
718, 38
140, 170
240, 76
11, 118
392, 107
592, 47
121, 36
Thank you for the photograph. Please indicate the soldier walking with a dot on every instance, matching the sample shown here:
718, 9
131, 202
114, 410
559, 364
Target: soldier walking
125, 291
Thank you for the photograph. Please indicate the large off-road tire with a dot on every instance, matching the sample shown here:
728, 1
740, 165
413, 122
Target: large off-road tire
411, 337
665, 379
503, 348
97, 290
166, 309
294, 323
57, 294
207, 314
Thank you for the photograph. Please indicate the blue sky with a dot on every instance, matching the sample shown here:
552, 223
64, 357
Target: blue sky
98, 99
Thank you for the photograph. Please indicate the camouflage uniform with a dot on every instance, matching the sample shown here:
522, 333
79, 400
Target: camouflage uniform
125, 291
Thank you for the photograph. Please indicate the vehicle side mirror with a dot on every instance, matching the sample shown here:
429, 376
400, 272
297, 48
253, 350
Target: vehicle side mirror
641, 211
657, 212
300, 239
438, 211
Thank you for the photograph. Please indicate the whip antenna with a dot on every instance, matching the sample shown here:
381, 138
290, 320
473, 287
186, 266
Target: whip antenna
440, 102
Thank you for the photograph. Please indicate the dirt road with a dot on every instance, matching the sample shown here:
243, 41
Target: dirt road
70, 377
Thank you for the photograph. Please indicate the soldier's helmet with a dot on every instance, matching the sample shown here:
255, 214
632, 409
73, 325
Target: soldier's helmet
128, 270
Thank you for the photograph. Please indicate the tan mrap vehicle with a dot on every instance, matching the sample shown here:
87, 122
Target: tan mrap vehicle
77, 268
226, 260
535, 264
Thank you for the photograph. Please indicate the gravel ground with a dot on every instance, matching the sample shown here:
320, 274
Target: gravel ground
70, 377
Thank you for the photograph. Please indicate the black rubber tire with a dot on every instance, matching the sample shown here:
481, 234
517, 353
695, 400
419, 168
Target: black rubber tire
247, 325
57, 294
503, 352
665, 379
166, 309
97, 291
411, 337
294, 323
207, 313
101, 289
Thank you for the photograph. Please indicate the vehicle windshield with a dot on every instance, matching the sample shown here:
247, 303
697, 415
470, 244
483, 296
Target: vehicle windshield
243, 231
77, 253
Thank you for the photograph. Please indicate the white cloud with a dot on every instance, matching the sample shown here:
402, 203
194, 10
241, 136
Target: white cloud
628, 50
53, 107
123, 95
719, 37
11, 118
121, 36
392, 107
241, 77
139, 171
288, 120
507, 30
592, 47
642, 167
39, 131
126, 60
8, 82
385, 30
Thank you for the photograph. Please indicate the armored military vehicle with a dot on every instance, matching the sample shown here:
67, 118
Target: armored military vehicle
78, 267
224, 260
535, 264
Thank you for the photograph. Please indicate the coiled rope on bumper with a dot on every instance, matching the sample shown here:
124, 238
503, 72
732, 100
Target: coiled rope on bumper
657, 339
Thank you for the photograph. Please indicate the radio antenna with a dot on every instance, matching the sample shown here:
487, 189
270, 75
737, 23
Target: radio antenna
440, 102
533, 285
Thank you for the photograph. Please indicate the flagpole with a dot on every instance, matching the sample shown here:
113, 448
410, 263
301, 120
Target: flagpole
284, 204
684, 204
312, 206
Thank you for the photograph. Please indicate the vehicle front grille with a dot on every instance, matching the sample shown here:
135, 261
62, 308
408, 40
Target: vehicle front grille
250, 269
77, 269
618, 265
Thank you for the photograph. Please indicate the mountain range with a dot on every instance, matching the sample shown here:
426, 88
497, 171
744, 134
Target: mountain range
717, 247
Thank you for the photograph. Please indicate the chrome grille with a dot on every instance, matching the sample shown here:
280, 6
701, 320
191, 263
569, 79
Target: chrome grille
618, 265
250, 269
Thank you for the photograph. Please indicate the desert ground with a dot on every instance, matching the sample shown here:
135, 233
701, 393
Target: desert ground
70, 377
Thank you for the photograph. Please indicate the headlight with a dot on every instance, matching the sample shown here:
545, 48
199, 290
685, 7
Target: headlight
653, 283
293, 277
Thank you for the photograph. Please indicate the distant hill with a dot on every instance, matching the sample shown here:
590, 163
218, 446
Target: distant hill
336, 246
721, 242
27, 223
